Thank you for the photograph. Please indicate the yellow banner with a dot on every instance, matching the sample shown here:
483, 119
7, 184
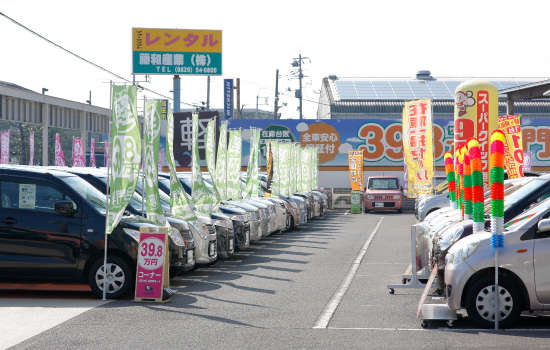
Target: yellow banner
418, 146
513, 152
476, 115
176, 40
356, 170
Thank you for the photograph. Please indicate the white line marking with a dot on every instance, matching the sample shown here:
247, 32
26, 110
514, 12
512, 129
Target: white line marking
190, 279
441, 329
330, 308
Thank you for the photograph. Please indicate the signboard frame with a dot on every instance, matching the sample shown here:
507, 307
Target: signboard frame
219, 71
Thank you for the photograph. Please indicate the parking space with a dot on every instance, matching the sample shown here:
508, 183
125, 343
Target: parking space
272, 294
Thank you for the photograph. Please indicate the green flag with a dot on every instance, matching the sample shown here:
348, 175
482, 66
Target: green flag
252, 182
275, 188
304, 169
201, 196
126, 152
234, 151
221, 163
210, 161
179, 201
284, 167
151, 143
315, 169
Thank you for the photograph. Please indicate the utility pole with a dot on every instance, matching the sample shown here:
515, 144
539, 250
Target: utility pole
238, 87
298, 63
208, 94
300, 76
257, 97
276, 94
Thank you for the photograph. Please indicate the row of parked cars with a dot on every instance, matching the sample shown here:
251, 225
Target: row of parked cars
52, 226
465, 260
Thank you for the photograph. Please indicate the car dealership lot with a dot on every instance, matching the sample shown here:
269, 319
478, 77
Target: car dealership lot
271, 296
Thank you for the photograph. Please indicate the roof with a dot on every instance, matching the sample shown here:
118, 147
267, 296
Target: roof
525, 86
407, 88
15, 86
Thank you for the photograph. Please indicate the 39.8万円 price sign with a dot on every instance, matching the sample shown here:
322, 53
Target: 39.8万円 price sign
150, 267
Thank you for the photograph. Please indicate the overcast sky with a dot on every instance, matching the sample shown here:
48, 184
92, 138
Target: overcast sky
346, 38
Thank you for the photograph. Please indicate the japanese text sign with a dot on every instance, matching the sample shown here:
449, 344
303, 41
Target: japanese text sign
513, 152
228, 98
418, 146
150, 267
356, 170
476, 115
176, 51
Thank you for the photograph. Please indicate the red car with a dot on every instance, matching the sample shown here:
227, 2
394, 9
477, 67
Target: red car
383, 193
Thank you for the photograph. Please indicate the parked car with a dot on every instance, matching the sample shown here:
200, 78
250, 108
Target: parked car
52, 228
240, 221
98, 179
383, 193
526, 194
524, 270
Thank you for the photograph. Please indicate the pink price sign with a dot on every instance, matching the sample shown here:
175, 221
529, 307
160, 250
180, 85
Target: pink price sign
150, 266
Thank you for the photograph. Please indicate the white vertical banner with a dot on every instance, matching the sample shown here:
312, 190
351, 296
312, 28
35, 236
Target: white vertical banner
31, 148
4, 147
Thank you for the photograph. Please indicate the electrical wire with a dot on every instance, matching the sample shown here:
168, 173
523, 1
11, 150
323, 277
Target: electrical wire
87, 61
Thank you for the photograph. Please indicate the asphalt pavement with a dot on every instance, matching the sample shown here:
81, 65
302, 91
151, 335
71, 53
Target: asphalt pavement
272, 295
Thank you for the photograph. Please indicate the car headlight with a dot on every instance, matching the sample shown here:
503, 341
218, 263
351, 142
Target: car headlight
370, 196
201, 229
463, 253
176, 237
132, 233
223, 223
396, 196
239, 217
450, 237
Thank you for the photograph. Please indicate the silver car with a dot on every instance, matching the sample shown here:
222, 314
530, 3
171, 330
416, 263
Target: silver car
524, 270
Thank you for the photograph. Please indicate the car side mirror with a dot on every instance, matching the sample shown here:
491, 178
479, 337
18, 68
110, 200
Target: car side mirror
544, 225
64, 207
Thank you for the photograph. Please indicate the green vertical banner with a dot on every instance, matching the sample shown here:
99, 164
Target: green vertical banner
355, 203
312, 157
210, 161
316, 169
180, 205
284, 166
296, 167
221, 163
304, 169
234, 151
201, 196
126, 152
151, 144
252, 182
275, 188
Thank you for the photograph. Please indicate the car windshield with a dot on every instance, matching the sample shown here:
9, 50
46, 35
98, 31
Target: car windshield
522, 218
91, 194
135, 202
164, 181
522, 192
383, 184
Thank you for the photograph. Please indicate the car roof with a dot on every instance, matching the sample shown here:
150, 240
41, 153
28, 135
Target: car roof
35, 170
383, 176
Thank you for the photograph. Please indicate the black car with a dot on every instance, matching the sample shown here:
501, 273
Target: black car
52, 228
181, 261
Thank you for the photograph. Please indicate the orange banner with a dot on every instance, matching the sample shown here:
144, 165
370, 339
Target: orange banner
513, 152
356, 170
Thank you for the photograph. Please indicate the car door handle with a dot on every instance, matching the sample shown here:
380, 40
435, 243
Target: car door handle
9, 221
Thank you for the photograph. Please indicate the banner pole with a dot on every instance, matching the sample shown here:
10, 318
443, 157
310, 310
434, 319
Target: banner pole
108, 197
433, 141
143, 190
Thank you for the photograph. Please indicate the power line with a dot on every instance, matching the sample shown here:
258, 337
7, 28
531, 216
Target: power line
85, 60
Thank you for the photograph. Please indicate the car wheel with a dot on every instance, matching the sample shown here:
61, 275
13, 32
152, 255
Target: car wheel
480, 300
120, 277
367, 210
400, 211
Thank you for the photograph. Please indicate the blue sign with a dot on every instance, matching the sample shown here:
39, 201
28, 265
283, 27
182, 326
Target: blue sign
228, 98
